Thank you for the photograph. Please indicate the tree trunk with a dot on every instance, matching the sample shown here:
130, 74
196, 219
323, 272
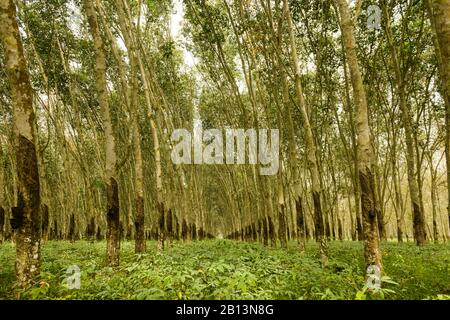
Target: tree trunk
45, 222
418, 215
364, 149
131, 95
440, 20
71, 234
26, 215
301, 239
281, 215
311, 148
398, 202
434, 199
132, 43
272, 235
113, 218
2, 193
2, 223
140, 243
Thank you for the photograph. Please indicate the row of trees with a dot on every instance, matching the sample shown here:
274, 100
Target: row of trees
250, 51
90, 92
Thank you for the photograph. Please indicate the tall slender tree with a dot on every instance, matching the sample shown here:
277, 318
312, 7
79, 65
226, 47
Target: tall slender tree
420, 234
26, 215
372, 252
439, 12
311, 148
112, 188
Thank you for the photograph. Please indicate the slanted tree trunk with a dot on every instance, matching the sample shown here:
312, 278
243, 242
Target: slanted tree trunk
418, 215
128, 31
354, 170
398, 202
311, 149
26, 215
372, 252
140, 243
113, 218
294, 168
132, 99
433, 191
439, 12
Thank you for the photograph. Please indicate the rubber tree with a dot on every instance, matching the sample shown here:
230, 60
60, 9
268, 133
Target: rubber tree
26, 215
372, 252
112, 217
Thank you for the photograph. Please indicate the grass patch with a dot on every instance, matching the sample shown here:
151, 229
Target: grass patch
221, 269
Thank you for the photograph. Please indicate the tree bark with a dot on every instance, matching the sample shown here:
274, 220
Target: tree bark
439, 11
26, 215
311, 148
418, 215
2, 193
113, 217
281, 213
364, 149
434, 200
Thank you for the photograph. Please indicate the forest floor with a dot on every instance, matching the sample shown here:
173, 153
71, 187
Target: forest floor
222, 269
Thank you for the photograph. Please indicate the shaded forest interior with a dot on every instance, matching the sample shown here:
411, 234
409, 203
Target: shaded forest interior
91, 92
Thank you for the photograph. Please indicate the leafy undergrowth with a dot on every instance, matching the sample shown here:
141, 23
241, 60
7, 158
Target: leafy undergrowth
220, 269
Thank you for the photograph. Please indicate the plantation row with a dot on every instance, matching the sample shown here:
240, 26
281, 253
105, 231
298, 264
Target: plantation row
92, 94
